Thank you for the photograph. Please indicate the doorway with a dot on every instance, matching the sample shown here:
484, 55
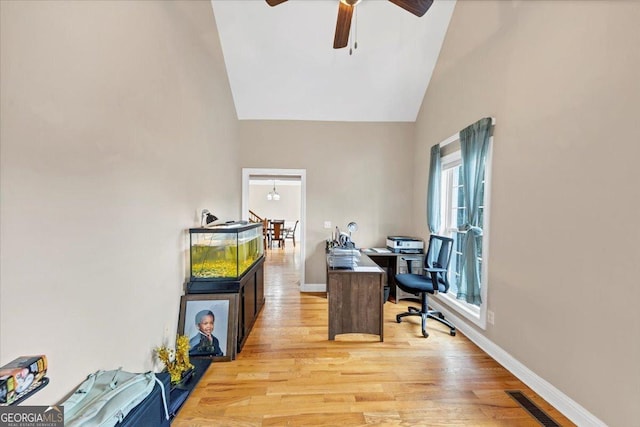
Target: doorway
291, 182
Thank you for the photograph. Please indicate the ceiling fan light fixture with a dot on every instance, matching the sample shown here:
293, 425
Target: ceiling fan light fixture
345, 11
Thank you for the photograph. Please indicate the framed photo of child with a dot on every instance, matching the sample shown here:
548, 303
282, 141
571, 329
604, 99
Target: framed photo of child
210, 322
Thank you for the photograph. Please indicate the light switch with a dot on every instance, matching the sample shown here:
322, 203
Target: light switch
327, 224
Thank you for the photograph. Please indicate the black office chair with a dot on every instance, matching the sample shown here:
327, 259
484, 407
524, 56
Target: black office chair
435, 272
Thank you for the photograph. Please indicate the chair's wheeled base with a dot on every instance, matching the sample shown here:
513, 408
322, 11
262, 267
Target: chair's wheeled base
433, 314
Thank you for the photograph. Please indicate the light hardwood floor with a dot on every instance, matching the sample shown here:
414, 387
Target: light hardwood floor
289, 374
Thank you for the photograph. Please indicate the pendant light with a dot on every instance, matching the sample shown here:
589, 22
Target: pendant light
273, 195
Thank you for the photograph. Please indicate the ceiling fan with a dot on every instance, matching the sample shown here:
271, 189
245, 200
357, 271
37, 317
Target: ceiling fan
345, 11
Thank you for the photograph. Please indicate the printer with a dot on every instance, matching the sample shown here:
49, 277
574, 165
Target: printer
405, 245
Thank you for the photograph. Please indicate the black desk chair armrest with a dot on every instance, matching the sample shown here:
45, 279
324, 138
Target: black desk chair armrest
433, 273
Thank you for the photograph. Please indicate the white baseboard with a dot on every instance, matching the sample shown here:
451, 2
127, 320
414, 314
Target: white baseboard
313, 287
563, 403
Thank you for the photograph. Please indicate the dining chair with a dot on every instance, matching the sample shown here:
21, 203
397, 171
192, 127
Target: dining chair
277, 233
266, 236
290, 233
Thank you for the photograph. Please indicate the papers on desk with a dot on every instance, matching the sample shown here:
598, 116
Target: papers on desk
345, 252
380, 250
343, 258
372, 269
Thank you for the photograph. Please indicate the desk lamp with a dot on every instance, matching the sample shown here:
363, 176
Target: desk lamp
207, 217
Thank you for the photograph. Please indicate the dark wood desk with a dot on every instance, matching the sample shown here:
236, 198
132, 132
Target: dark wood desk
355, 299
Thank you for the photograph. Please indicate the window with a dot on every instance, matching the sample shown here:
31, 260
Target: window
452, 211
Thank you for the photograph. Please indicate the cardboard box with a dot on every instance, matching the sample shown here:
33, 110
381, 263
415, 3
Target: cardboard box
19, 374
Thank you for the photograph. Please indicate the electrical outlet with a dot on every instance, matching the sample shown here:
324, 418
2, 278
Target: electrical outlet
327, 224
491, 317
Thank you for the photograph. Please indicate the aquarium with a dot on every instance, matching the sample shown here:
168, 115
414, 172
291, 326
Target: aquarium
225, 252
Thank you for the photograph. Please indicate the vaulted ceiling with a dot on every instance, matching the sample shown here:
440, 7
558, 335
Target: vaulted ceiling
282, 65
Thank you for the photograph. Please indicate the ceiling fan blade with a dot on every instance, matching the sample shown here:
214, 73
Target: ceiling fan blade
343, 25
417, 7
275, 2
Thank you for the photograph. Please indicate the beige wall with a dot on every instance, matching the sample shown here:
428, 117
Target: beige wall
112, 115
355, 172
561, 79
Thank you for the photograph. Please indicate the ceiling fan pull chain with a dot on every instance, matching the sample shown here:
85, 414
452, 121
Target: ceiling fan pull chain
353, 34
355, 46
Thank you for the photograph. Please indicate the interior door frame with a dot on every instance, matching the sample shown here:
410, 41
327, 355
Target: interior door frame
247, 173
